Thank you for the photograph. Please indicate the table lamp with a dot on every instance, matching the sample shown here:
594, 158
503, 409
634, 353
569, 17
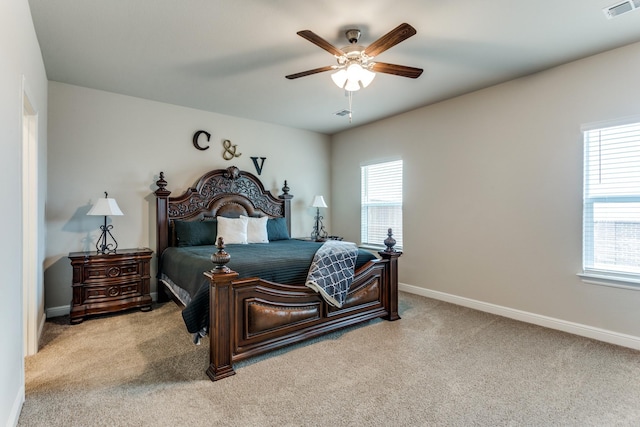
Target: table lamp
318, 234
105, 207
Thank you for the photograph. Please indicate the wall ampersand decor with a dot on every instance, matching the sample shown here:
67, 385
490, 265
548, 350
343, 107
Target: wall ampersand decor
229, 150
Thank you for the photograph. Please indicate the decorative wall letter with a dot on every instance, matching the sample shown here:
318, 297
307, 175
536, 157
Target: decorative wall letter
229, 150
255, 163
195, 139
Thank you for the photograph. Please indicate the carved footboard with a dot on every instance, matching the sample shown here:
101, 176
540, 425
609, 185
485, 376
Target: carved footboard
253, 316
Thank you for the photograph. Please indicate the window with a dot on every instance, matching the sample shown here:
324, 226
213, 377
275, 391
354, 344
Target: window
611, 223
381, 202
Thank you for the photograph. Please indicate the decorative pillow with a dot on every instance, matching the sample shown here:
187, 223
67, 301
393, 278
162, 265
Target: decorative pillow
277, 229
196, 233
232, 230
257, 229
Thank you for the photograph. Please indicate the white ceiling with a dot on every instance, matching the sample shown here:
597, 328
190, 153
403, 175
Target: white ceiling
231, 56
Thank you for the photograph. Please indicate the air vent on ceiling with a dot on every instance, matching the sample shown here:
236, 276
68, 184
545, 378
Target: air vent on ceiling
342, 113
621, 8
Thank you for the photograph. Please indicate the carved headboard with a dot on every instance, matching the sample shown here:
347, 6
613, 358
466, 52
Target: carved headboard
226, 192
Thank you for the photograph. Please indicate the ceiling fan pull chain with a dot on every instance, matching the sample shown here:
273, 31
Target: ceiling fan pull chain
350, 103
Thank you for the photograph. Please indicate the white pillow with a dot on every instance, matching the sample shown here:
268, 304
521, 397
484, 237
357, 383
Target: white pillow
232, 230
257, 229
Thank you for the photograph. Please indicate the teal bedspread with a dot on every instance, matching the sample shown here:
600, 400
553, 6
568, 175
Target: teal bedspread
281, 261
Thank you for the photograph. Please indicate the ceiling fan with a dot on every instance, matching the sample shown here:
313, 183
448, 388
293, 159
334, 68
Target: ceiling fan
356, 68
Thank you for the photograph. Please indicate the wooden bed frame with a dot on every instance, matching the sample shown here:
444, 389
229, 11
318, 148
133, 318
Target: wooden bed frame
253, 316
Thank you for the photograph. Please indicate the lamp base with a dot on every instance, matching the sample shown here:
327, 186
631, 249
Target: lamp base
319, 234
102, 247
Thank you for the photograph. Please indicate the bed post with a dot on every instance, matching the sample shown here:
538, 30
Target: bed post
391, 276
162, 232
286, 197
220, 321
221, 314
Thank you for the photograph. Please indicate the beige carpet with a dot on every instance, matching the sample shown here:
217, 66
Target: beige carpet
441, 365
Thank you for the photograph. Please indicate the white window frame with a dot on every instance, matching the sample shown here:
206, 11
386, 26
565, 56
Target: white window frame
375, 238
593, 273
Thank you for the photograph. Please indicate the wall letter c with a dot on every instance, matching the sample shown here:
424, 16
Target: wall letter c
195, 139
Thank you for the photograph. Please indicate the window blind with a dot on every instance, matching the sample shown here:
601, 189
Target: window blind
611, 223
381, 202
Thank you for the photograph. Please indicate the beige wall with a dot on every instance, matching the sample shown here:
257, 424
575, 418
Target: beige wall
101, 141
20, 61
493, 190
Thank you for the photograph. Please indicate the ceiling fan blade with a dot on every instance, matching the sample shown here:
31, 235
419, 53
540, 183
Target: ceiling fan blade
392, 38
320, 42
398, 70
310, 72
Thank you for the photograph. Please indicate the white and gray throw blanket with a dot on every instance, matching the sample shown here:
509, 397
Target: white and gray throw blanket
332, 270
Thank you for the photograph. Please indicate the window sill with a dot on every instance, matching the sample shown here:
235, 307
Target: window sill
616, 281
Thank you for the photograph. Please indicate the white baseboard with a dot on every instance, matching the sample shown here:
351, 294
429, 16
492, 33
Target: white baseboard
63, 310
16, 408
43, 319
604, 335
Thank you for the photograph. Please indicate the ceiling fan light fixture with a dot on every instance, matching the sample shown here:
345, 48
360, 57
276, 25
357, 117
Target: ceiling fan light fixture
353, 78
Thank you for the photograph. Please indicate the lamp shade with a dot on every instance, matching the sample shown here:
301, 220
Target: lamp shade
318, 202
105, 207
366, 77
339, 78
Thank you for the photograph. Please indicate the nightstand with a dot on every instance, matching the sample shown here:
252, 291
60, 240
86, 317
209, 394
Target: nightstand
107, 283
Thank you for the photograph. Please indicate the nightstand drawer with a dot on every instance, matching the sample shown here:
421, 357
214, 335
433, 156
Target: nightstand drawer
110, 271
95, 293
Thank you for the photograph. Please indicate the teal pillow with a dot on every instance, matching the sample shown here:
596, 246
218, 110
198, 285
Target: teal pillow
196, 233
277, 229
